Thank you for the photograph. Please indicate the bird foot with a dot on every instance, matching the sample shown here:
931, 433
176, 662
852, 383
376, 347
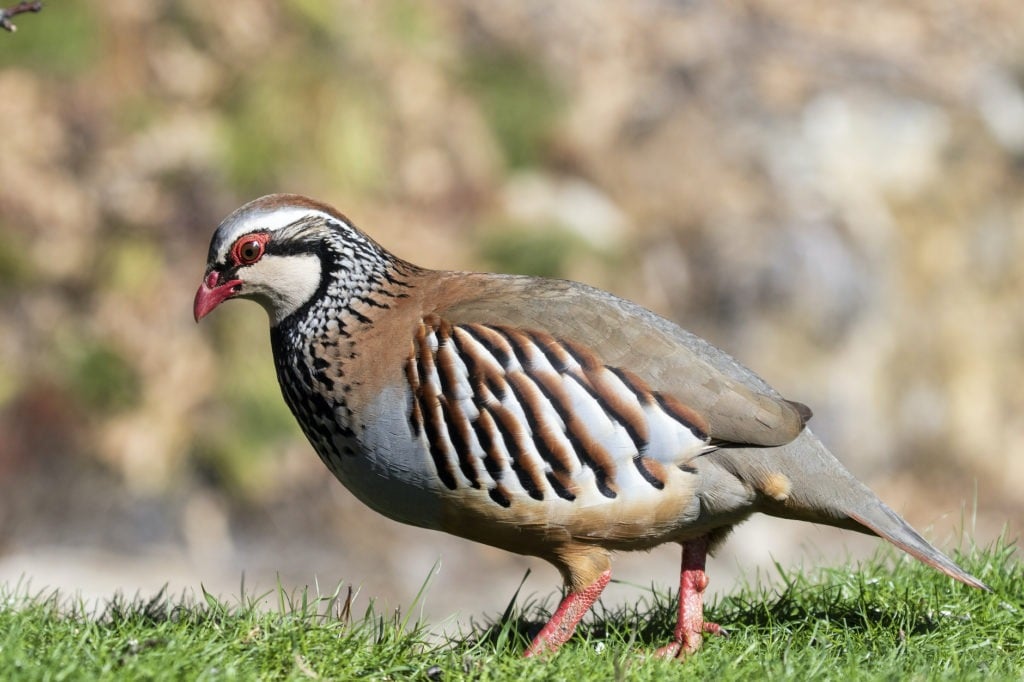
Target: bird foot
690, 643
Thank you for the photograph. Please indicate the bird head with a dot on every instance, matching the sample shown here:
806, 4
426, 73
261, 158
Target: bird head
270, 251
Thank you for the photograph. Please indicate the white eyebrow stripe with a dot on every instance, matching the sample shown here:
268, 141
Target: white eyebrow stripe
264, 221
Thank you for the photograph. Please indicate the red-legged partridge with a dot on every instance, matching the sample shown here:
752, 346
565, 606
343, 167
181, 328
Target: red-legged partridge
540, 416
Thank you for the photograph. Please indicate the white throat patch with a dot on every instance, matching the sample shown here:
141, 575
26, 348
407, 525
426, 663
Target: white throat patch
282, 284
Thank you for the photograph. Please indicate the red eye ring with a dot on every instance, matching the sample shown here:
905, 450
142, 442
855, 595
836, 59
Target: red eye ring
249, 249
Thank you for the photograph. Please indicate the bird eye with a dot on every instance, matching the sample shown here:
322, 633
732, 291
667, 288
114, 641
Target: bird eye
249, 249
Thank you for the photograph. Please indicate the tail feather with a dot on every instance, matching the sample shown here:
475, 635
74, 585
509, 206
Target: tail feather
887, 524
820, 490
823, 491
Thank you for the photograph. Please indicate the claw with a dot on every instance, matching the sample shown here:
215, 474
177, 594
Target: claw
716, 629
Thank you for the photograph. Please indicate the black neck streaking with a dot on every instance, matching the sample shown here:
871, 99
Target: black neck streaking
360, 282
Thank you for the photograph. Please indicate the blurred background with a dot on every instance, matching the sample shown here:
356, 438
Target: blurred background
833, 193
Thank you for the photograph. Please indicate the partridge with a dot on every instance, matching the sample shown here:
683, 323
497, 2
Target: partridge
540, 416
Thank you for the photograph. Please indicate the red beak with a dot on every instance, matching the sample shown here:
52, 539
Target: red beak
211, 294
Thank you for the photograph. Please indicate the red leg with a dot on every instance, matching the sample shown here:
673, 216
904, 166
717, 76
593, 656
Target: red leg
563, 622
690, 628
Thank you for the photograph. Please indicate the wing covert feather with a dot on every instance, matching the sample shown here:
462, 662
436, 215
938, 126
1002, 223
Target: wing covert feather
738, 406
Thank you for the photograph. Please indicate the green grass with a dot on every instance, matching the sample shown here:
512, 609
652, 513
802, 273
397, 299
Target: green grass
875, 622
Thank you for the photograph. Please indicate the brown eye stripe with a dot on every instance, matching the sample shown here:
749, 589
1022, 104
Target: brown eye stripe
490, 399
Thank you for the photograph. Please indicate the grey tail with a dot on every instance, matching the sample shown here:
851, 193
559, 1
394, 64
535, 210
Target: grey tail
885, 523
824, 491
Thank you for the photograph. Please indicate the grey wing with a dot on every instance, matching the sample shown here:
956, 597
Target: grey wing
734, 404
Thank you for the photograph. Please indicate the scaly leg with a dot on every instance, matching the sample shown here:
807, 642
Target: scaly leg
690, 628
563, 622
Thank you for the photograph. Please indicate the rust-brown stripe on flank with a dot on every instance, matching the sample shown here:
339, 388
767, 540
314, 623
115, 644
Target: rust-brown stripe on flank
447, 365
562, 484
457, 429
466, 349
432, 320
594, 456
586, 358
620, 404
589, 451
500, 495
453, 421
583, 381
437, 445
486, 371
492, 342
552, 350
431, 409
410, 366
553, 390
478, 359
521, 345
496, 386
551, 449
635, 384
652, 471
487, 435
415, 416
543, 447
526, 467
683, 414
424, 357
